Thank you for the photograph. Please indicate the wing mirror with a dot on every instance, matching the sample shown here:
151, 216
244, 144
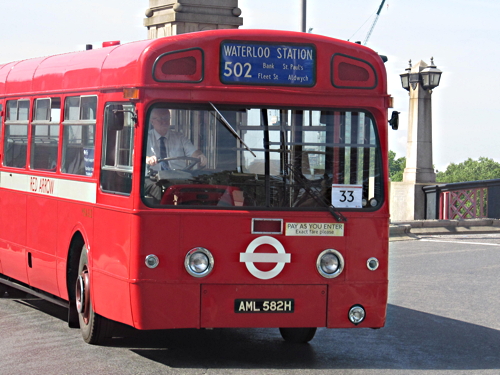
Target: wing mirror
394, 121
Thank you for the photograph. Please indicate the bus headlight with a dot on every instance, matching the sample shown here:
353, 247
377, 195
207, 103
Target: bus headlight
357, 314
199, 262
330, 263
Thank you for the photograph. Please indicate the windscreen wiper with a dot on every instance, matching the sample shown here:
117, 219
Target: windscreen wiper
230, 128
314, 194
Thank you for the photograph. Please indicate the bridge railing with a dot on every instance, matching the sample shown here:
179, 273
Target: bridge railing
463, 200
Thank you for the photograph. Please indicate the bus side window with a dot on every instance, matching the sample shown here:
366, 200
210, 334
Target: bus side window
118, 146
45, 134
16, 133
79, 135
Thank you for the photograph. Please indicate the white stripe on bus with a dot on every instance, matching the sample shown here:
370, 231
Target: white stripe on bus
54, 187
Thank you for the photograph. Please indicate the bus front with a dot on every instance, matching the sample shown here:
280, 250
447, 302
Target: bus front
263, 185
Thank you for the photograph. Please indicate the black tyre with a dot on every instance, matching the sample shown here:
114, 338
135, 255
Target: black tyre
298, 335
95, 328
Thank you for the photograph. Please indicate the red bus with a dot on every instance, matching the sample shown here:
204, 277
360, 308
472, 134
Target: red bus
228, 178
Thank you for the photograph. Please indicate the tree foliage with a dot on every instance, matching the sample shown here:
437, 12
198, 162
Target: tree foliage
470, 170
396, 166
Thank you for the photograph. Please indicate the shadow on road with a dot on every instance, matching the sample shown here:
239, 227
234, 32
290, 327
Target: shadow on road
410, 340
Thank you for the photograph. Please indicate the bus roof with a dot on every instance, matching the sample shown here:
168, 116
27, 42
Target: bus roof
129, 65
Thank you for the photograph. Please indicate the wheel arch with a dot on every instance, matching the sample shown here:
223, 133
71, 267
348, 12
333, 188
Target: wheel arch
73, 259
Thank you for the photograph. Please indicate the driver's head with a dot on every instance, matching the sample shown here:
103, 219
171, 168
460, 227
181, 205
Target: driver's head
160, 120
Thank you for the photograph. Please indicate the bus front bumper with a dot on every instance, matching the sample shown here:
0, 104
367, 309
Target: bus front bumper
168, 306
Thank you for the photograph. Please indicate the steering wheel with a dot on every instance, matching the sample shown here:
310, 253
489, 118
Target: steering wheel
193, 161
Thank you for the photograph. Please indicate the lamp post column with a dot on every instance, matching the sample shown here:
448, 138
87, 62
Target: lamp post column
303, 15
407, 198
419, 168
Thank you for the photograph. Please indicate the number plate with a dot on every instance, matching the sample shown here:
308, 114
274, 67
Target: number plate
264, 305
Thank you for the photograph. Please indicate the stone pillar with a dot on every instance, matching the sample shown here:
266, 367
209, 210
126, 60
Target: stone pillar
407, 197
173, 17
419, 167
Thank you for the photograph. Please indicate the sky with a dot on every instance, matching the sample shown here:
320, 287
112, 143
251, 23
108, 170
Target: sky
463, 36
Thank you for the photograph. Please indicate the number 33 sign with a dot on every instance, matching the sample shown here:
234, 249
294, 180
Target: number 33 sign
347, 196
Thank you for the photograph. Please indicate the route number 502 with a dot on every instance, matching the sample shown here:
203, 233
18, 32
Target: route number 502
237, 69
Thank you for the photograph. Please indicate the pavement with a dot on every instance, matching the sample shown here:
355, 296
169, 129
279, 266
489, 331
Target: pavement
408, 230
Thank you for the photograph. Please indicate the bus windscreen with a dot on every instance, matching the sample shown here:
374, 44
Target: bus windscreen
281, 158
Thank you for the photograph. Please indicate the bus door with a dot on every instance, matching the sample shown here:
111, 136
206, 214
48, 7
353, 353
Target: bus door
42, 201
13, 225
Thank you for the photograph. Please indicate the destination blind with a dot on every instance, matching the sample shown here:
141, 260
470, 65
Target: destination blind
255, 63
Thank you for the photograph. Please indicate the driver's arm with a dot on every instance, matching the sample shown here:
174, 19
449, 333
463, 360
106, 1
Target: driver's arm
151, 160
203, 159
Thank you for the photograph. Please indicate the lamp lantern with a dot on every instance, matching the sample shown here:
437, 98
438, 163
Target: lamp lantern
430, 76
405, 78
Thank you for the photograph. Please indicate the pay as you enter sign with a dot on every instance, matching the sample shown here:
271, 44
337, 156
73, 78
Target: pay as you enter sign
347, 196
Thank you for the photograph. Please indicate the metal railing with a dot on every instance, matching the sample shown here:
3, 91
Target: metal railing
463, 200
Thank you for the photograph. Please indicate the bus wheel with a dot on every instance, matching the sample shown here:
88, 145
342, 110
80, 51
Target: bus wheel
298, 335
94, 327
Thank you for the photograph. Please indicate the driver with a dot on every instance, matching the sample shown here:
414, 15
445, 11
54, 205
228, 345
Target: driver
163, 143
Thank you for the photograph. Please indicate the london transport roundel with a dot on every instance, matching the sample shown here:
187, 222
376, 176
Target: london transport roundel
280, 257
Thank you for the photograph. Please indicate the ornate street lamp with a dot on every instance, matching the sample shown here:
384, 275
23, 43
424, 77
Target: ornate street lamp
429, 77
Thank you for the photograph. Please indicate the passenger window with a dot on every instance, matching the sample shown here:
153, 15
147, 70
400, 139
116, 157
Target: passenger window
118, 145
45, 134
79, 135
72, 108
42, 110
88, 108
16, 133
23, 110
11, 110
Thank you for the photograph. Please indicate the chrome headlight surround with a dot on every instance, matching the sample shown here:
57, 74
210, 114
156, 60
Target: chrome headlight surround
199, 262
328, 256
